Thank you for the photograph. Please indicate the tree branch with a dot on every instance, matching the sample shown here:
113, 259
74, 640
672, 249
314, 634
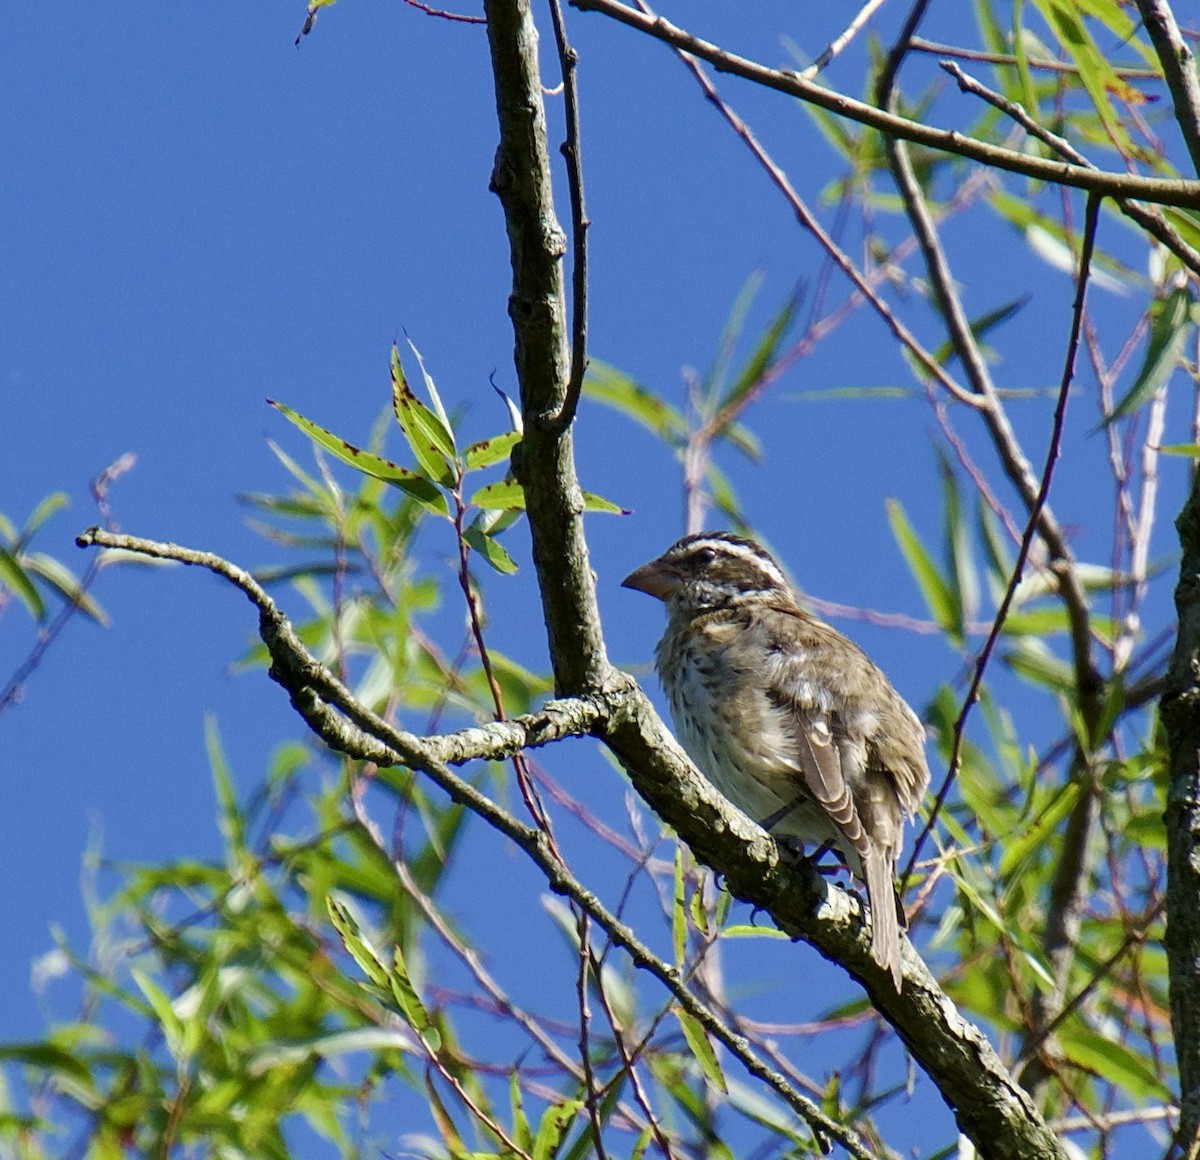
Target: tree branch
1179, 71
989, 1106
544, 462
1161, 191
1181, 718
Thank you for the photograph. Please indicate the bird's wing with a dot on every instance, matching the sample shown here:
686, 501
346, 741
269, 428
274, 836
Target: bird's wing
820, 764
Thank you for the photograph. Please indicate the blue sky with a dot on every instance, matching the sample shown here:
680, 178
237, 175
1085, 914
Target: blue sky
198, 215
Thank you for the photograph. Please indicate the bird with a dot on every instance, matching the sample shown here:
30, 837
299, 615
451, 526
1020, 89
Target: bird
786, 717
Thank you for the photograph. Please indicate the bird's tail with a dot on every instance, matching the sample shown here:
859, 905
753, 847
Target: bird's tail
885, 913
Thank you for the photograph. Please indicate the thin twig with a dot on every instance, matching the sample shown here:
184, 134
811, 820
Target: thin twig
444, 15
11, 692
919, 44
1161, 191
840, 42
809, 222
1151, 220
1031, 526
571, 151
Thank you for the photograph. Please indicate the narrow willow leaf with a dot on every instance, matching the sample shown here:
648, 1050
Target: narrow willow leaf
730, 333
748, 930
514, 412
487, 452
410, 1003
454, 1142
447, 429
986, 322
766, 353
698, 911
506, 495
54, 502
491, 550
1023, 841
423, 490
47, 1057
702, 1049
1114, 1062
359, 949
597, 503
1097, 74
608, 385
522, 1132
553, 1127
55, 573
160, 1004
431, 443
1171, 324
229, 817
14, 577
939, 597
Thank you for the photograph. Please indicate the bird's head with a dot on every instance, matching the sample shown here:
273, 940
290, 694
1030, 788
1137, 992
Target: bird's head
710, 570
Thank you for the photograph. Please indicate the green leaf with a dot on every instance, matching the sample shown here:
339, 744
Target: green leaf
765, 354
359, 949
424, 491
45, 509
702, 1049
232, 822
959, 557
13, 576
1098, 76
505, 495
491, 550
1171, 324
679, 910
48, 1057
431, 442
522, 1132
1031, 837
410, 1003
938, 595
436, 400
487, 452
553, 1127
610, 386
1113, 1062
597, 503
65, 583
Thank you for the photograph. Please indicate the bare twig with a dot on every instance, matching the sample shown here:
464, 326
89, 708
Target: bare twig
919, 44
1161, 191
1151, 220
810, 222
1031, 527
842, 40
572, 152
10, 694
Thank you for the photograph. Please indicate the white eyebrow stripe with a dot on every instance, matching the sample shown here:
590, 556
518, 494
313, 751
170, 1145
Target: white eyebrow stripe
742, 552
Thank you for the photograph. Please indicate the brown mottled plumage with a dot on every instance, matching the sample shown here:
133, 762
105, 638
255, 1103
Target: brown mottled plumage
788, 719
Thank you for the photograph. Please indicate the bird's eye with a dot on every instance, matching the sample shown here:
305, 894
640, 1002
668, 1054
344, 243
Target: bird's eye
705, 555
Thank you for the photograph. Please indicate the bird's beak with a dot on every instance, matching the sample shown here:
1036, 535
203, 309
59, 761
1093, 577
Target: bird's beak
655, 579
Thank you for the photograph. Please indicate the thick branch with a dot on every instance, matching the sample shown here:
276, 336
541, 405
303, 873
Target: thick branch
545, 464
1181, 717
1161, 191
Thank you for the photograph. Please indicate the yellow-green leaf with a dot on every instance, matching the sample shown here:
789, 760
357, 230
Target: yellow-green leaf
424, 491
702, 1049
